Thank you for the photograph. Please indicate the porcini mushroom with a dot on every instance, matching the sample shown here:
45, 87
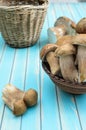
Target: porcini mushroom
47, 53
69, 24
80, 41
63, 26
81, 26
66, 61
13, 98
65, 20
18, 100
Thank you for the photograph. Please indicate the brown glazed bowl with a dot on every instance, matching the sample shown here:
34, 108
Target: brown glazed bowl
67, 86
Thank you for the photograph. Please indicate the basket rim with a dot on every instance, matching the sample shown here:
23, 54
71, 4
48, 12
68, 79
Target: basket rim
45, 5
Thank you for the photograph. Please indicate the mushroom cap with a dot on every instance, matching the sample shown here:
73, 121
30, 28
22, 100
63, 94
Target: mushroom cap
72, 23
79, 39
19, 107
81, 26
63, 19
64, 50
68, 39
31, 97
46, 49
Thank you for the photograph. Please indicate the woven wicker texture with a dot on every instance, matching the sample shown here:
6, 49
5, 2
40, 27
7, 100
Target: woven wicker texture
21, 25
67, 86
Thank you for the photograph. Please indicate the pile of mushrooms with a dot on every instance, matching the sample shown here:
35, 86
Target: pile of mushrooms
67, 56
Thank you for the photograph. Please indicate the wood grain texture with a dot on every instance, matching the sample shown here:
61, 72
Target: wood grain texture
49, 106
66, 101
32, 117
5, 71
55, 110
80, 100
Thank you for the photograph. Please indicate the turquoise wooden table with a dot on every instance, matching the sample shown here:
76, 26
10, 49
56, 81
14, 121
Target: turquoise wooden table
56, 110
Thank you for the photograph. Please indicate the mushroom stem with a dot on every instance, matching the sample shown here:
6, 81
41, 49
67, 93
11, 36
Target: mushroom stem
13, 98
68, 69
53, 62
66, 52
11, 90
81, 57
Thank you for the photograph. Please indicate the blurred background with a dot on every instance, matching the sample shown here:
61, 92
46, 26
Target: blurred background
68, 0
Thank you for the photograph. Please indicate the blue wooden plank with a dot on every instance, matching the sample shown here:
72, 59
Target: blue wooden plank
74, 13
49, 107
19, 68
79, 9
66, 101
51, 16
32, 81
52, 38
5, 70
17, 79
56, 9
83, 5
66, 11
2, 46
43, 35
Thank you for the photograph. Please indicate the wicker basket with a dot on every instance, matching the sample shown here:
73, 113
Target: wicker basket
21, 25
67, 86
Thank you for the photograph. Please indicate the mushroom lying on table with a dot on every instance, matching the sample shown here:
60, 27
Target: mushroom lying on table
48, 53
63, 26
18, 100
81, 26
80, 41
65, 53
